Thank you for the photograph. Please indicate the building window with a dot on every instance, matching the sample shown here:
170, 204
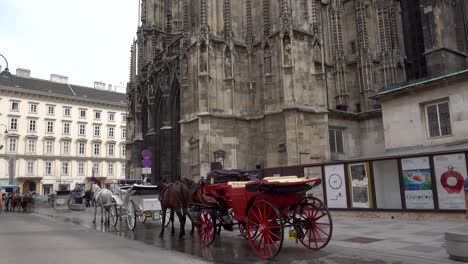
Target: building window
32, 126
124, 132
12, 144
50, 110
97, 115
82, 130
124, 118
123, 151
438, 119
81, 169
82, 113
97, 149
110, 169
48, 168
50, 127
112, 117
110, 150
14, 106
336, 140
123, 171
67, 111
47, 189
14, 124
66, 128
65, 168
49, 147
32, 108
31, 146
81, 148
30, 168
66, 148
110, 132
96, 169
97, 131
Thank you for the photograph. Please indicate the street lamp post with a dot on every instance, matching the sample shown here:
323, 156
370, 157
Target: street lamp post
6, 71
5, 132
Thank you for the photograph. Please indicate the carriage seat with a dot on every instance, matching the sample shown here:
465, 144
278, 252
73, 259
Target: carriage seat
282, 179
238, 184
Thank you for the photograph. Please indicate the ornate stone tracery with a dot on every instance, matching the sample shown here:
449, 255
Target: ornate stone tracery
336, 12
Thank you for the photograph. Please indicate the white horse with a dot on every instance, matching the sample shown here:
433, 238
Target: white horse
102, 198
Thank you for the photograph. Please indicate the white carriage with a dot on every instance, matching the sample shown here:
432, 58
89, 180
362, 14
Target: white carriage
137, 201
59, 200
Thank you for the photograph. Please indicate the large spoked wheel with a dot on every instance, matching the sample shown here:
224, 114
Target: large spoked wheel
243, 230
313, 223
142, 218
206, 228
114, 214
131, 215
265, 229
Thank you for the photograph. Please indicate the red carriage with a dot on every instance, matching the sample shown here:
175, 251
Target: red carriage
263, 209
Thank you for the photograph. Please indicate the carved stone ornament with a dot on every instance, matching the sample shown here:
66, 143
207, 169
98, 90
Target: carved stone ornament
203, 58
151, 90
267, 59
228, 64
287, 50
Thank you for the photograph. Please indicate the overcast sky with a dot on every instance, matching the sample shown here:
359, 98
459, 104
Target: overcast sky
86, 40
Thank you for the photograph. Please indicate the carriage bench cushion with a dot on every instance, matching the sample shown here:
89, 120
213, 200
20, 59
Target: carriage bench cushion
238, 184
278, 188
282, 179
67, 192
221, 176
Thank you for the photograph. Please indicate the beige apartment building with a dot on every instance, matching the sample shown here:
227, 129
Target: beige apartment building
55, 135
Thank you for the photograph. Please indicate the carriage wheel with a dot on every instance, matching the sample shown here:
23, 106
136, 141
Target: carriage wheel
243, 230
131, 215
313, 223
206, 228
142, 218
265, 229
114, 214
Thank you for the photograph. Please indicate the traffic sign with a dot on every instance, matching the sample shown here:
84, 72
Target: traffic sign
146, 163
146, 170
146, 154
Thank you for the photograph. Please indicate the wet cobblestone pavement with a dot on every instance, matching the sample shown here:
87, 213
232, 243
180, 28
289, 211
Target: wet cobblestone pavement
355, 240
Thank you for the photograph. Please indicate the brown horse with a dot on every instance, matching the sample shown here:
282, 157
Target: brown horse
26, 200
177, 197
15, 202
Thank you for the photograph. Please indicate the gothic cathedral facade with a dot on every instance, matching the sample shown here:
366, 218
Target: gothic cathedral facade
274, 82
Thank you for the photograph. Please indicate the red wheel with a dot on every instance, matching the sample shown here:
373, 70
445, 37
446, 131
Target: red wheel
206, 228
243, 230
313, 223
265, 229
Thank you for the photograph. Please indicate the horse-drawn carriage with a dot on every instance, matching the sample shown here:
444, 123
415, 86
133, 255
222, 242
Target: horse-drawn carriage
138, 202
262, 209
60, 199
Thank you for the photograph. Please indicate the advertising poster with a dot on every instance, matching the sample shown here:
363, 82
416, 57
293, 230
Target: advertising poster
360, 185
417, 183
315, 172
450, 173
335, 186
